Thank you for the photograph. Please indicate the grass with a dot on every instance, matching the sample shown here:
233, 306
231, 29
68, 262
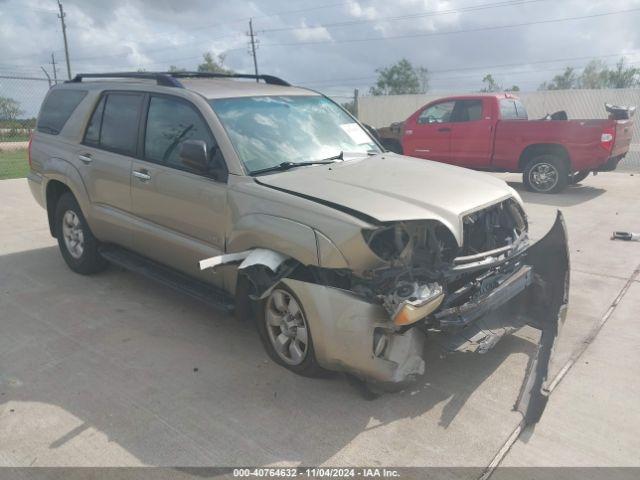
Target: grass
14, 138
13, 164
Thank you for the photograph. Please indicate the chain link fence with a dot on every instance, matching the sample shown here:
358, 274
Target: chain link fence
20, 99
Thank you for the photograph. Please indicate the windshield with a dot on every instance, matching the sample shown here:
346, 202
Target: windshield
272, 130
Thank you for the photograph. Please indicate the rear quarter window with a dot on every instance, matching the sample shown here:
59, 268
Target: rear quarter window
57, 108
511, 109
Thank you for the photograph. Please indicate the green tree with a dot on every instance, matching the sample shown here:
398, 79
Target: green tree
174, 69
594, 75
9, 109
491, 85
401, 78
564, 81
622, 77
213, 65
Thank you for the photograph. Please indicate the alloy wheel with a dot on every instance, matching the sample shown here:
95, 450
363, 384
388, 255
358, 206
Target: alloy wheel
543, 176
287, 327
73, 234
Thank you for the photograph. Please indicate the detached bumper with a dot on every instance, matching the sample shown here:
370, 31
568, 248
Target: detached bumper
536, 295
355, 336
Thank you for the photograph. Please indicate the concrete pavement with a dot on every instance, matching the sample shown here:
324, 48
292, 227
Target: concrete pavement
116, 370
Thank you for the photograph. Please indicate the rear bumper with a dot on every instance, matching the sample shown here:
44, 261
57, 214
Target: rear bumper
611, 164
36, 185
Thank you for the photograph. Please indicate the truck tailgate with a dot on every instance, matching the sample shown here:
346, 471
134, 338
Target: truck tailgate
624, 131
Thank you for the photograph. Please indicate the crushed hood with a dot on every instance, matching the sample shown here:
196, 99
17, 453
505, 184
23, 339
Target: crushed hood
390, 187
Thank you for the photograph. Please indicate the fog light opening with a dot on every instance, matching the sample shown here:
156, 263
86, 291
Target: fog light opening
380, 342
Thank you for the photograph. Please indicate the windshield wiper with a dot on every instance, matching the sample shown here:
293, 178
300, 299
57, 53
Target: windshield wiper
288, 165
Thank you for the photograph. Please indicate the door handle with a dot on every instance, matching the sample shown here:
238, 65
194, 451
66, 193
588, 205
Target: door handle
85, 158
142, 175
444, 129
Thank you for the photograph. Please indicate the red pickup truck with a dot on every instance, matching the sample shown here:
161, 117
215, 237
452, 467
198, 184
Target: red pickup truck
493, 132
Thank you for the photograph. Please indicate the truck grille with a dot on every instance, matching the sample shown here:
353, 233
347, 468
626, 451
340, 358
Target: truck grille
493, 227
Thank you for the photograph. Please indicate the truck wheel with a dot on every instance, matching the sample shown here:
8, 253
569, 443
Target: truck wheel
77, 244
285, 334
577, 177
546, 174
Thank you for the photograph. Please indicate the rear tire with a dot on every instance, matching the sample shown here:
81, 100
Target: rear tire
77, 244
546, 174
285, 334
577, 177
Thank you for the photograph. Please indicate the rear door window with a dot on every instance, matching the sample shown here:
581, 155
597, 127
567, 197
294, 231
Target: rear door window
57, 108
467, 110
120, 119
521, 111
92, 136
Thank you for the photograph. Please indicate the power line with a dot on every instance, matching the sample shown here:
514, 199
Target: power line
425, 34
203, 27
462, 9
482, 67
408, 16
449, 32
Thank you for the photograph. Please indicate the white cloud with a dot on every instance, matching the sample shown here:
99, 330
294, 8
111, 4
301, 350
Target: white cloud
127, 34
307, 33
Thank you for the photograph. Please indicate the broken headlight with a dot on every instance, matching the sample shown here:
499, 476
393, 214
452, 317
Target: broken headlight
412, 301
387, 242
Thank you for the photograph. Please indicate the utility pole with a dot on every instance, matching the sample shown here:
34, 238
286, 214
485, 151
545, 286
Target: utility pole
64, 35
53, 66
355, 103
253, 47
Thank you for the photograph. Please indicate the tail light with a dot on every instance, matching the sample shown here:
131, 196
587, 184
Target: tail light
29, 150
607, 138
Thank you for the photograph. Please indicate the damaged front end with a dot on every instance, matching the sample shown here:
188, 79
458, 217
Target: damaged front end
471, 297
372, 323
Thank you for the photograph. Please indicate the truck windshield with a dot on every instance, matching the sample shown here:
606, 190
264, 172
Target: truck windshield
268, 131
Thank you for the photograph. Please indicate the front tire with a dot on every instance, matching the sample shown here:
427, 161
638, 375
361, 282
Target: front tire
77, 244
546, 174
282, 324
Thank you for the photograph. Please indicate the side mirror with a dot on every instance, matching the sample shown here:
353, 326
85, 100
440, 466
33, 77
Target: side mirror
193, 154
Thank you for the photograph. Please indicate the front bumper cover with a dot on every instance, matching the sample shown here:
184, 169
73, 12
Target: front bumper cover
347, 329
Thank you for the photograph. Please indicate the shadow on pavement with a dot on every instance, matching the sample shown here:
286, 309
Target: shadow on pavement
573, 195
174, 383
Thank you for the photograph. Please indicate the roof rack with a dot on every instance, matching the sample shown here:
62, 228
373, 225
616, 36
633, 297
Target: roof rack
163, 79
270, 79
170, 79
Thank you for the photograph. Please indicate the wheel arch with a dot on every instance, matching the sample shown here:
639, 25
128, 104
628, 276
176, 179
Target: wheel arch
53, 191
537, 149
63, 177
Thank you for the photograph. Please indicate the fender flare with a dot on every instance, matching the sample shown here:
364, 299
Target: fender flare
60, 170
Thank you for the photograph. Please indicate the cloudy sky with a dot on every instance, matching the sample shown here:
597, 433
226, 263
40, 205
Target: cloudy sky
331, 45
